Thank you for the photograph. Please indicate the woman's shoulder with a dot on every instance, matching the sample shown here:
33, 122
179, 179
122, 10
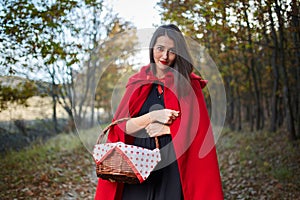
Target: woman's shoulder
139, 76
196, 80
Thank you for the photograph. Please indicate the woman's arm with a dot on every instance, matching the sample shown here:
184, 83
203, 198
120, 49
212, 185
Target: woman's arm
137, 123
164, 116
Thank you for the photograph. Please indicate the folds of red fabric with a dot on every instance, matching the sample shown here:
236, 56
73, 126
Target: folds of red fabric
200, 177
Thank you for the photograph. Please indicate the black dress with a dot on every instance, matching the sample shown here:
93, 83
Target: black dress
164, 182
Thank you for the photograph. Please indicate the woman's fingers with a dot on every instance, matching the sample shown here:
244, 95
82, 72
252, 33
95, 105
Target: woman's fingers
175, 113
172, 116
157, 129
165, 116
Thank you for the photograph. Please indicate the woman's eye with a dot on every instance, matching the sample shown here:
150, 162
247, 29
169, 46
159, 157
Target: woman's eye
172, 51
160, 48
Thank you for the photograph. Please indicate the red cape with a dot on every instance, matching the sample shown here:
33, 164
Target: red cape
200, 176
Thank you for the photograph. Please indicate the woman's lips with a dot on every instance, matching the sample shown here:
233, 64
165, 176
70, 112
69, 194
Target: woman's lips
163, 62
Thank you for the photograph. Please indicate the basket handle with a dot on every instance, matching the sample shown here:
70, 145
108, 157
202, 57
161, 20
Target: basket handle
108, 127
117, 122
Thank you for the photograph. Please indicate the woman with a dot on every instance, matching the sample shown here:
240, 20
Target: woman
165, 100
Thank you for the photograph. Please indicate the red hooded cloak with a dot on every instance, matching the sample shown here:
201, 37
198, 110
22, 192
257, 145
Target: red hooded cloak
200, 176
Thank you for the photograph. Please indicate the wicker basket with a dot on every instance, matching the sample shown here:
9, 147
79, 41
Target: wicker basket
115, 167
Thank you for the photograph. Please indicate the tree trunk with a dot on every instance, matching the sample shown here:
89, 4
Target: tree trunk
93, 89
274, 57
53, 92
230, 104
251, 119
54, 115
239, 112
273, 126
296, 41
286, 88
252, 67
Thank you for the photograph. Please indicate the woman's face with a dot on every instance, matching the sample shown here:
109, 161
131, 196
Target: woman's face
164, 54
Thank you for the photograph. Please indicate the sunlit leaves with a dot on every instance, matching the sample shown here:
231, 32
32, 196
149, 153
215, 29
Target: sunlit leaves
33, 29
16, 94
242, 36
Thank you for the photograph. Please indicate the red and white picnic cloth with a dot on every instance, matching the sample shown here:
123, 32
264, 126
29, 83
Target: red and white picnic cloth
141, 160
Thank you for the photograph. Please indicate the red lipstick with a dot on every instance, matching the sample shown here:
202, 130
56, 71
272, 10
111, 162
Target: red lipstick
164, 62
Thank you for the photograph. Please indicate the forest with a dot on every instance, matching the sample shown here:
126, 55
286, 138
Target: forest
72, 59
256, 47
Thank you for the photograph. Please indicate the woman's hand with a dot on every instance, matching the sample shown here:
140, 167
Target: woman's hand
157, 129
164, 116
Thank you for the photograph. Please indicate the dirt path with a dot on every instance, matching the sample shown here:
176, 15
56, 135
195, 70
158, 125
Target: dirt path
253, 166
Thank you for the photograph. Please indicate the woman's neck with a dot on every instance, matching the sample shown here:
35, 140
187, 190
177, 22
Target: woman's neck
160, 75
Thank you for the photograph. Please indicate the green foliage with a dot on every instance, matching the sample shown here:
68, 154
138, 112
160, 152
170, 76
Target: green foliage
49, 37
32, 30
282, 173
114, 60
243, 42
17, 94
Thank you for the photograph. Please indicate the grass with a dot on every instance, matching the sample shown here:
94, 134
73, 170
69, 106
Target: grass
39, 152
38, 107
282, 173
47, 170
60, 168
258, 165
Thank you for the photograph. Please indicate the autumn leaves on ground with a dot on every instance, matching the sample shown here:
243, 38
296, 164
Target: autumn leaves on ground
257, 165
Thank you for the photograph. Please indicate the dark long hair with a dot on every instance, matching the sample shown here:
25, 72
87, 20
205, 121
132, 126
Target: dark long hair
183, 61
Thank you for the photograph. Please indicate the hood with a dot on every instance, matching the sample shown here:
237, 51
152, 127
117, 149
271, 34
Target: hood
146, 76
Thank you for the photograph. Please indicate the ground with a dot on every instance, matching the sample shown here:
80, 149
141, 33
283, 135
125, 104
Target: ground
258, 165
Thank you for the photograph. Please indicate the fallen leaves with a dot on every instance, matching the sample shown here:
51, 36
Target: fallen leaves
253, 166
64, 175
259, 166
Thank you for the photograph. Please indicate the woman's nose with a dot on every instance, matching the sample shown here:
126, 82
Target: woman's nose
165, 54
